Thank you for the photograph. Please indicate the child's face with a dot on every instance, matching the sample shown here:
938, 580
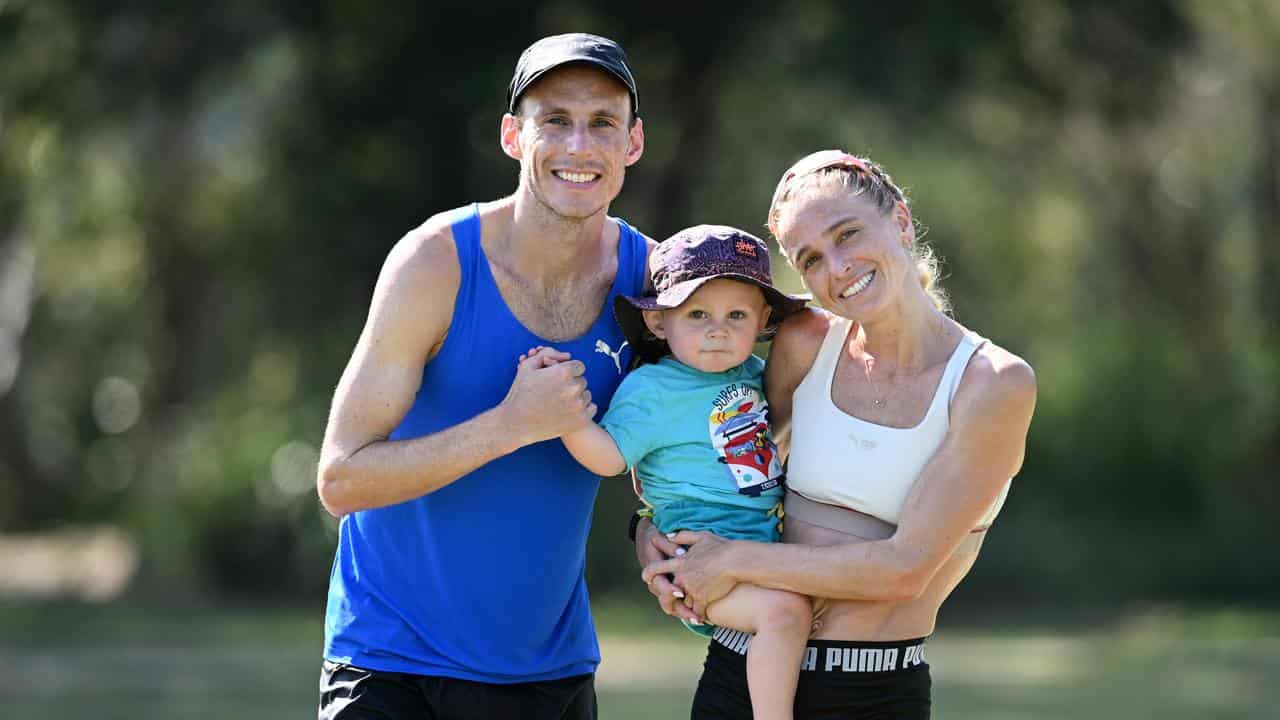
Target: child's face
716, 328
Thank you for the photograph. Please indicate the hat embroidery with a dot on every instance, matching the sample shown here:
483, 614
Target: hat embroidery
745, 248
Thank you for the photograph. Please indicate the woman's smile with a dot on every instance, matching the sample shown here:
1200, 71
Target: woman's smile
858, 286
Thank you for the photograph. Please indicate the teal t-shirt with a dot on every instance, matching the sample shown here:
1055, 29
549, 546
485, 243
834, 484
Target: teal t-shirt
701, 446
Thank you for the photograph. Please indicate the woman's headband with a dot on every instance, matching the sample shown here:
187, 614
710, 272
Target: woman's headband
815, 162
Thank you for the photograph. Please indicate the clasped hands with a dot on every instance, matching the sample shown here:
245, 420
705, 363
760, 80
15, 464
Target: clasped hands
680, 570
548, 396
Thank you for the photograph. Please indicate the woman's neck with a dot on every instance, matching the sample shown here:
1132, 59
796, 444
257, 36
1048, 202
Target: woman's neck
908, 338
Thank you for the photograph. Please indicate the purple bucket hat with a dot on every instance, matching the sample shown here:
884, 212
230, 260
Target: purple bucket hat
683, 263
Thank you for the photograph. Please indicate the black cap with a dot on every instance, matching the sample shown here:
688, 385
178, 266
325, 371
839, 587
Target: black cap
552, 52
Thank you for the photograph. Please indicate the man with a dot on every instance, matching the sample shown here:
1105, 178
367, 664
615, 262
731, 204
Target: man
458, 590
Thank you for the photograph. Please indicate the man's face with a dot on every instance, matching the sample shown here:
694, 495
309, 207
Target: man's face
573, 141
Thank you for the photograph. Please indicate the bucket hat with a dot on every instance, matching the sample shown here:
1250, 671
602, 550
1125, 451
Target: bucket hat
688, 260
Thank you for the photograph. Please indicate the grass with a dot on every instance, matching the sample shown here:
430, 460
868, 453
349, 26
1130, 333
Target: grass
74, 661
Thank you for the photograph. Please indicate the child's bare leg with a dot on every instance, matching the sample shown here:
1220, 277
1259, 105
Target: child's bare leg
780, 621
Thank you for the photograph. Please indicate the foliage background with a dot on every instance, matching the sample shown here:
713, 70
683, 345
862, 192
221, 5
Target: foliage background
195, 201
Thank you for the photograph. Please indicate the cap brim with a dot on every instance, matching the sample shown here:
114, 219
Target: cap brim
613, 72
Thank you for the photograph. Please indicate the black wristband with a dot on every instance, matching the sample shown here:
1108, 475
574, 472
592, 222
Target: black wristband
635, 523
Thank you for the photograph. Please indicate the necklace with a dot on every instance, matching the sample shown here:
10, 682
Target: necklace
877, 399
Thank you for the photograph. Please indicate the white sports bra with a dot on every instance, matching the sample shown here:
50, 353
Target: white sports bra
841, 460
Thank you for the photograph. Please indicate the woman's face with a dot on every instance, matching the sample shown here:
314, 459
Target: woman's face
854, 258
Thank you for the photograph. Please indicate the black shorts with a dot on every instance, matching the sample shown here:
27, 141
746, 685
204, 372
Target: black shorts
351, 693
848, 680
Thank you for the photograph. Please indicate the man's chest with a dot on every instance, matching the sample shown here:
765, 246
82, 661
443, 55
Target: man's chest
559, 312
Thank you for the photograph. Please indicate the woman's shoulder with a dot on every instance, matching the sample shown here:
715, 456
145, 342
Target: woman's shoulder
796, 346
804, 330
996, 380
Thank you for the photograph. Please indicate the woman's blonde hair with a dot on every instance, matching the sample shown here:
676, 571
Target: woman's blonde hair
858, 176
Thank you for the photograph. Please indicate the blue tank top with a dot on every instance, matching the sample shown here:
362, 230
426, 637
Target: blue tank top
483, 578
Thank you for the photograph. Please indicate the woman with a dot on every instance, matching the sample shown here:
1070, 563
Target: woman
903, 429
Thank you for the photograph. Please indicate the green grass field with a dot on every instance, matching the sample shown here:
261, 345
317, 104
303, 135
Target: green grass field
64, 662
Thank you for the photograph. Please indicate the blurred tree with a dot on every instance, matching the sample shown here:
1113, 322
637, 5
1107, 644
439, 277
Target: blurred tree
194, 204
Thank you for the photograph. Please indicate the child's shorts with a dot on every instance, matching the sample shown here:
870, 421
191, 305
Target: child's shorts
706, 630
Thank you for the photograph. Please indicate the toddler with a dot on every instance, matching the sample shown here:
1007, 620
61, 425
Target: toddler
693, 423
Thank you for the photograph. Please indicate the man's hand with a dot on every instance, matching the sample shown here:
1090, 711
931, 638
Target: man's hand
701, 571
542, 356
651, 547
548, 397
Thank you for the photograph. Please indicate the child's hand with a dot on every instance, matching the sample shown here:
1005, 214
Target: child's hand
541, 356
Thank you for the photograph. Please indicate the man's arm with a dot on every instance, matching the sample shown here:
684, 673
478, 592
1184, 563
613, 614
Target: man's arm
408, 319
591, 445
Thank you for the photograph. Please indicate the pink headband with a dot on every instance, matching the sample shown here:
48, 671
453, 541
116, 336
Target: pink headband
814, 162
822, 160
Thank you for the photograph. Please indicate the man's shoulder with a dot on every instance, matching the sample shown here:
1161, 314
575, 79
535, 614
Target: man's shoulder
649, 244
431, 248
624, 224
433, 236
423, 265
436, 233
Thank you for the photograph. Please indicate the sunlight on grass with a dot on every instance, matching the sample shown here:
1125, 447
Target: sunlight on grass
72, 662
1157, 663
1035, 660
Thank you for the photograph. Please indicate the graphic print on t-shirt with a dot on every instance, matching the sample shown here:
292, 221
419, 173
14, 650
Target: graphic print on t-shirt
740, 436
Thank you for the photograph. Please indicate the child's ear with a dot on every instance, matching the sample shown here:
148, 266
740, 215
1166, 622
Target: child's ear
766, 313
653, 320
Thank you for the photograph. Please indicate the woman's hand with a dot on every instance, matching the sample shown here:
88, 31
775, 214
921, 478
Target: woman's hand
702, 572
653, 547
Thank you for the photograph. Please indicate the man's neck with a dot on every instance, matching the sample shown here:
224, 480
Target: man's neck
546, 245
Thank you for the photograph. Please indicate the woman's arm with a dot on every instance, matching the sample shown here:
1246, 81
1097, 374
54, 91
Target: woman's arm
791, 356
990, 416
652, 546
